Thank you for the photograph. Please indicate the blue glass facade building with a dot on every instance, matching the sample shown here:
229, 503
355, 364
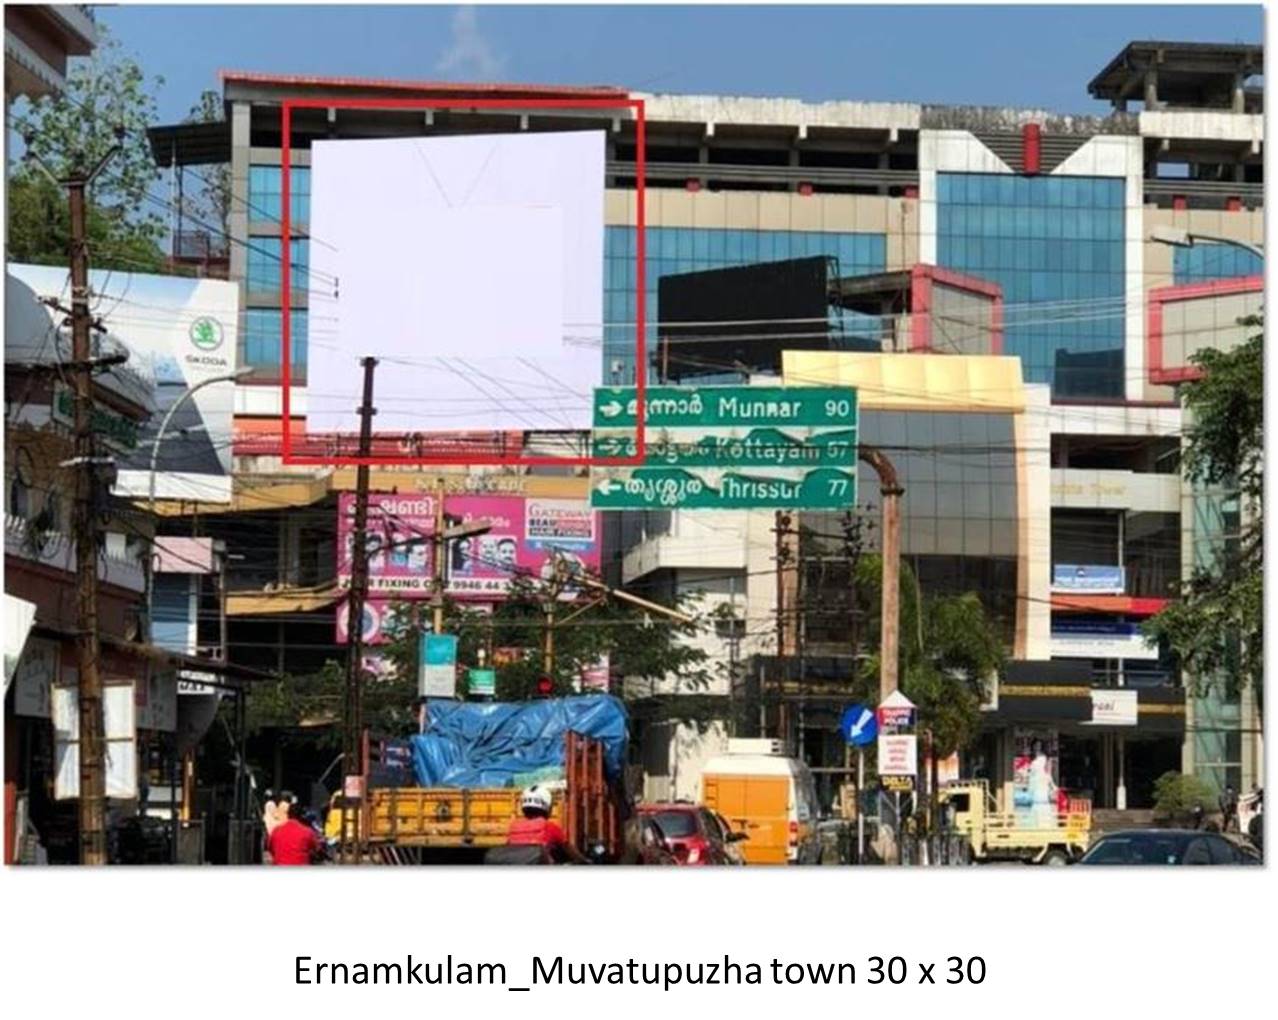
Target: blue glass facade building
262, 340
675, 250
1056, 247
1203, 263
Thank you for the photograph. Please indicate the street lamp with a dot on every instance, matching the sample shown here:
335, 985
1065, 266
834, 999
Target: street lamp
1186, 239
155, 457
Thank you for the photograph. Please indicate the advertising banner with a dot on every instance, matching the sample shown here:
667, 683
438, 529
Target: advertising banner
535, 197
1095, 580
179, 331
526, 535
437, 666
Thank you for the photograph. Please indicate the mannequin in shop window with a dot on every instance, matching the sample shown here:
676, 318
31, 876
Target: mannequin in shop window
1042, 788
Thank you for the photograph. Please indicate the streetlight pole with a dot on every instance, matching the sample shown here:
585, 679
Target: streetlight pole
1178, 238
155, 458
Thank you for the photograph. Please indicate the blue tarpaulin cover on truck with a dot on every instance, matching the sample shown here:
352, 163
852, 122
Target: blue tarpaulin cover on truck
491, 745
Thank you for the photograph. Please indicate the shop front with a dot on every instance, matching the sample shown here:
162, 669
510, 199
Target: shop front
1051, 733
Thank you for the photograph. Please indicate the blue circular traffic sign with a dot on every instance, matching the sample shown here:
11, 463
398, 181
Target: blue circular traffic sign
859, 725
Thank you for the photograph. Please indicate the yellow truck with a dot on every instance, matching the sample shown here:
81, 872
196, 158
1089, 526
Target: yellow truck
995, 835
409, 824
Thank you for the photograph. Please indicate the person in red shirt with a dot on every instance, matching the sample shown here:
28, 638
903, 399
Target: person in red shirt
535, 828
294, 842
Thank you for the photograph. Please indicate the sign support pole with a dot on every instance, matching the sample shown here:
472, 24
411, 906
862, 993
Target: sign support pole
900, 830
353, 763
860, 807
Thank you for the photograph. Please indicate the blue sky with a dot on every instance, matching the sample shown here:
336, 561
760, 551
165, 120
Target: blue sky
1025, 56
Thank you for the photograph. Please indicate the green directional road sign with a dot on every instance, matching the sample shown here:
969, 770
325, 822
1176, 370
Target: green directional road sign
709, 489
675, 406
729, 448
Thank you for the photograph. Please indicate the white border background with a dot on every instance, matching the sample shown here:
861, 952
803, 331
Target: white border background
1062, 943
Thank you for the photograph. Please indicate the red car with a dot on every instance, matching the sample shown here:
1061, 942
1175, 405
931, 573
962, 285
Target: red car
694, 834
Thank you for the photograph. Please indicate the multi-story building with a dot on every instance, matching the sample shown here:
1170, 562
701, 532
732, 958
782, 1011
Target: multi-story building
1051, 222
38, 39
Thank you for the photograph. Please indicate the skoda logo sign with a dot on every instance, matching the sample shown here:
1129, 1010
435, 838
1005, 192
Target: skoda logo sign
206, 333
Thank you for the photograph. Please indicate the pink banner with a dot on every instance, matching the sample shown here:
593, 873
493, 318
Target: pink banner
525, 534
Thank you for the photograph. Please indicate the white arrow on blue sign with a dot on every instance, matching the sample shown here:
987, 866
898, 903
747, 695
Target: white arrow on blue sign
859, 725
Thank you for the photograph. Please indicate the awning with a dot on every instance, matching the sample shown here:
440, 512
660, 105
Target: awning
289, 600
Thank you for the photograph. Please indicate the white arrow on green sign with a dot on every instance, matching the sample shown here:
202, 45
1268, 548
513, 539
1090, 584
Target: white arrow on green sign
718, 447
617, 406
710, 489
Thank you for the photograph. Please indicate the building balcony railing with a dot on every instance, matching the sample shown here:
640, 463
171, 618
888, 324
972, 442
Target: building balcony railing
56, 549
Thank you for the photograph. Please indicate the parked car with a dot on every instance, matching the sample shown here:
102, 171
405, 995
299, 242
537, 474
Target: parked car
693, 834
1168, 846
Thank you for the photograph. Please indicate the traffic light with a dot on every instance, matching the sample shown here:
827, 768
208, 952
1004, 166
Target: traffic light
545, 687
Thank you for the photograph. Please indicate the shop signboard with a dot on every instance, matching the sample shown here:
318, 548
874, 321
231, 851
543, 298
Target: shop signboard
1114, 708
437, 666
1091, 579
1101, 639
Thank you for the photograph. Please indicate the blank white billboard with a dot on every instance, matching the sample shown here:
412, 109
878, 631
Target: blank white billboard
471, 267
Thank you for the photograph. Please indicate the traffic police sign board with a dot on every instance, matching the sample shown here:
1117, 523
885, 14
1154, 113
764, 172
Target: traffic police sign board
858, 725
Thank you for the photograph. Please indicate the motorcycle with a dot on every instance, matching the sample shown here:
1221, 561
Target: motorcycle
596, 853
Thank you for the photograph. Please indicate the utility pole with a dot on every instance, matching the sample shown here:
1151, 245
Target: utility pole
92, 725
92, 800
439, 550
353, 731
891, 492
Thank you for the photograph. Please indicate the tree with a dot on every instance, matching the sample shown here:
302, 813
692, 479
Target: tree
1216, 627
637, 645
106, 103
1177, 795
211, 203
950, 649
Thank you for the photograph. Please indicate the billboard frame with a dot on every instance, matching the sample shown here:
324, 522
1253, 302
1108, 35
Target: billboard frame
288, 105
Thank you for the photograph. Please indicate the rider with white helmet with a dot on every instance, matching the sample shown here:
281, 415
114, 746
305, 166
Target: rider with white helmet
536, 828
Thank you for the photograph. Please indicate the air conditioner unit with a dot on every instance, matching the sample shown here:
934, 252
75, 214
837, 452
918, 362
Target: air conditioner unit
755, 745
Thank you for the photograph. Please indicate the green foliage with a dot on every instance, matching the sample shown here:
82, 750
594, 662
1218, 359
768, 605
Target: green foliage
106, 103
1215, 628
1178, 794
211, 202
949, 647
638, 644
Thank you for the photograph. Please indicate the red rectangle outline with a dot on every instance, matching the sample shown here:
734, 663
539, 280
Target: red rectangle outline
641, 373
1159, 374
